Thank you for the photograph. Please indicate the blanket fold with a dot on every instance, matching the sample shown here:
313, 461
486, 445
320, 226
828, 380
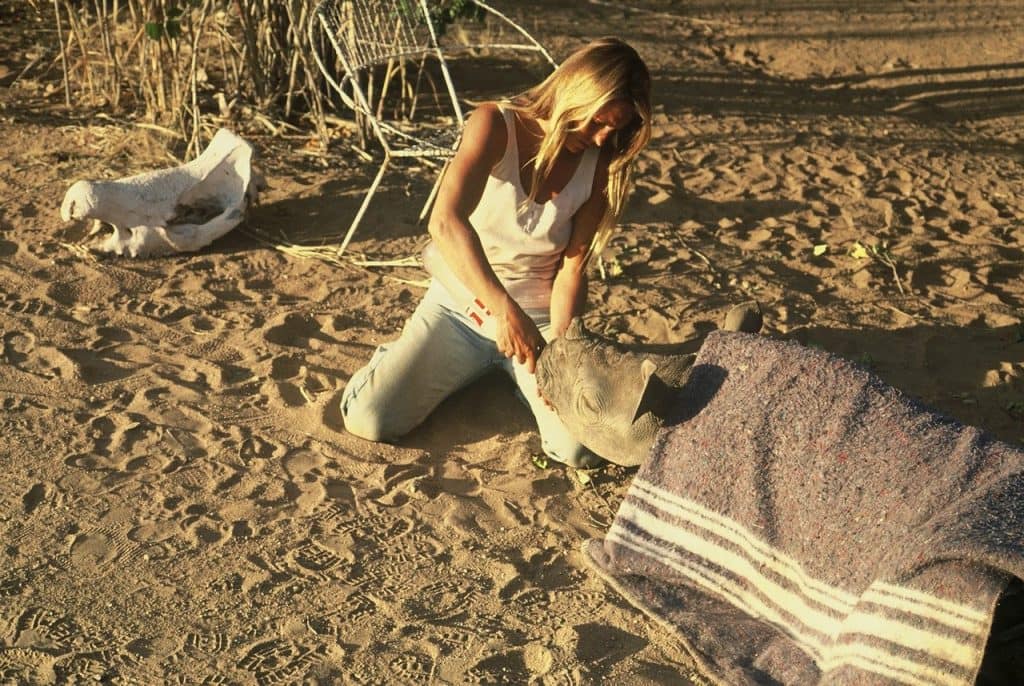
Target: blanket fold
802, 522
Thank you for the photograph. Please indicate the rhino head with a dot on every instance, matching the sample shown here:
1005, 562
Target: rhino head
615, 398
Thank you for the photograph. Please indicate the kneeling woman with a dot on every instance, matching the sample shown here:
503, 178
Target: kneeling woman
535, 189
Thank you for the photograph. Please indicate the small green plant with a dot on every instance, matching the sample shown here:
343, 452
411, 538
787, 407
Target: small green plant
444, 14
880, 252
171, 24
539, 461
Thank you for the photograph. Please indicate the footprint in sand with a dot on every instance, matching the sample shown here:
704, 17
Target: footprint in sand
278, 661
372, 530
532, 606
96, 666
34, 497
342, 624
13, 582
503, 668
314, 557
253, 446
98, 550
162, 312
458, 593
43, 629
296, 383
357, 608
32, 306
26, 666
125, 442
21, 350
304, 468
416, 550
211, 643
413, 667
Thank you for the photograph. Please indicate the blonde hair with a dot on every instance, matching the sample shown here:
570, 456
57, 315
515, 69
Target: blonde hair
604, 70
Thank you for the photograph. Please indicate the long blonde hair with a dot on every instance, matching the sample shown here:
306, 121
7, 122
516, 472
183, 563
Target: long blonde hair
604, 70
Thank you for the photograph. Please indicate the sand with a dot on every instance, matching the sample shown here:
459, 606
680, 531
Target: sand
180, 502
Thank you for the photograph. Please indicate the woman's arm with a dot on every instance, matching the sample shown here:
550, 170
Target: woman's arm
569, 290
483, 144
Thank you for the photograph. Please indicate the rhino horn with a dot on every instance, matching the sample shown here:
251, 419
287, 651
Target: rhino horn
654, 393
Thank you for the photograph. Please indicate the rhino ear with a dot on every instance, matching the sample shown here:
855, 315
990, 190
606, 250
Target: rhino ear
652, 392
575, 329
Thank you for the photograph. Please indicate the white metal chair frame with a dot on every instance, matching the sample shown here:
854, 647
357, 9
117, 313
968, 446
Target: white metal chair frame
337, 19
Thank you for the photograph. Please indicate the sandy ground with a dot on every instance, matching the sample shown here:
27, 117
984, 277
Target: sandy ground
180, 503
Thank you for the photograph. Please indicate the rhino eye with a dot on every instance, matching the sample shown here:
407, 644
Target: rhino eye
589, 405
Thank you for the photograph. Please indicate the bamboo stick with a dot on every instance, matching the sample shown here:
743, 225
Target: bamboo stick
63, 54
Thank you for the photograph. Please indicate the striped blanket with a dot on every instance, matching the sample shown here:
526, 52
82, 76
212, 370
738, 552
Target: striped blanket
801, 522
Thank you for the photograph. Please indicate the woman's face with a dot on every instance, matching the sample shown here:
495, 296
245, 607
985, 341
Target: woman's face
613, 116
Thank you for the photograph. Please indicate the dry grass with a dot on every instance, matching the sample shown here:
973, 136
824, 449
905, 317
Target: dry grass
190, 65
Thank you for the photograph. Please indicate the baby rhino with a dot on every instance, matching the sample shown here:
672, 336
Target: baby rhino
614, 398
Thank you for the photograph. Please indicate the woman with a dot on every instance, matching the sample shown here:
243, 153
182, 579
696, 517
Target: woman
535, 189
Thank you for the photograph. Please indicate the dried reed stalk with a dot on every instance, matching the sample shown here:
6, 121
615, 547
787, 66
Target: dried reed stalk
63, 53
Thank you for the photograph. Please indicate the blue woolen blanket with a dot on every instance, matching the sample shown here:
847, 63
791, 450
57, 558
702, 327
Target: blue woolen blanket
801, 522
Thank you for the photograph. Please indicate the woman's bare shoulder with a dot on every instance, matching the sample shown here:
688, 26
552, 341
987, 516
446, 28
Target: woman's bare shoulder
486, 131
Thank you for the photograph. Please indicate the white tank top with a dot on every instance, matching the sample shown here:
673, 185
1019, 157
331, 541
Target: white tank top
522, 239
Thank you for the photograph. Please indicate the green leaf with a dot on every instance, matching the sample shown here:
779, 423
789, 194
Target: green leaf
820, 249
154, 30
858, 251
173, 28
539, 461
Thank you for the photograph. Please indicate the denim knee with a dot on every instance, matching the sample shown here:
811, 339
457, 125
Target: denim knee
364, 419
364, 424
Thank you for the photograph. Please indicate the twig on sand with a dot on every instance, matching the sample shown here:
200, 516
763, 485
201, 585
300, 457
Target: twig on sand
79, 250
885, 258
409, 261
899, 311
701, 255
584, 478
329, 253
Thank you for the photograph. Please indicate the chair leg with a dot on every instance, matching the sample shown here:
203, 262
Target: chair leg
362, 208
433, 191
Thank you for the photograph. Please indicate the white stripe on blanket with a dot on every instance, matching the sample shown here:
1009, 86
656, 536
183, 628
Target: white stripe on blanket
772, 597
899, 598
926, 605
860, 655
762, 553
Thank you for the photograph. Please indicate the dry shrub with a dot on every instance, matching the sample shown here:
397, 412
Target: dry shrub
190, 66
183, 64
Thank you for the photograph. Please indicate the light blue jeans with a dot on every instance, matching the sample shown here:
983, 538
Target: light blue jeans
439, 352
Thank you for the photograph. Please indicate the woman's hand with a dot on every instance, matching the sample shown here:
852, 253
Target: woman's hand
518, 336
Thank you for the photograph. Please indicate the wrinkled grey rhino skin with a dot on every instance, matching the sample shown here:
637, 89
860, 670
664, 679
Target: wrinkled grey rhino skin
614, 398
